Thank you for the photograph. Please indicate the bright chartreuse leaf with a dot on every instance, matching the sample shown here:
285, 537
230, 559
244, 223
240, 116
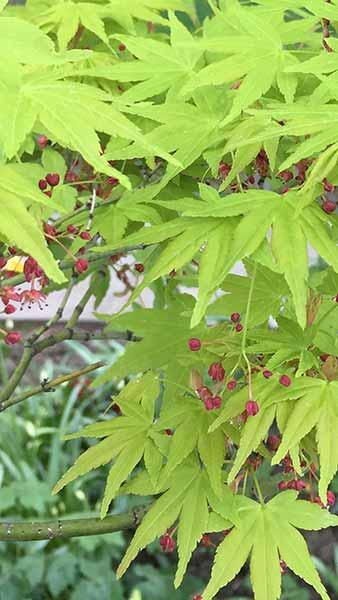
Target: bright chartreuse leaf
186, 500
65, 18
317, 408
269, 287
165, 339
159, 67
268, 532
126, 441
125, 11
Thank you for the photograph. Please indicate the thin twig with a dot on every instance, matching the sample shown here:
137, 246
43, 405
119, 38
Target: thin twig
245, 330
48, 386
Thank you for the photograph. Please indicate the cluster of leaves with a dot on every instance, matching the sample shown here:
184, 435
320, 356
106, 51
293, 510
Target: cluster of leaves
190, 146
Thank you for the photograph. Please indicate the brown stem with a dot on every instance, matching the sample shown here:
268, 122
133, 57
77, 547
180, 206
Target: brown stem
48, 386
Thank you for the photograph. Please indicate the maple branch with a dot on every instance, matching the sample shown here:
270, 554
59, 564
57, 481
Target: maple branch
245, 331
49, 385
12, 531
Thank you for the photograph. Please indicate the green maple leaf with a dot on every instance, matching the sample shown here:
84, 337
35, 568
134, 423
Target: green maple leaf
255, 56
65, 18
268, 395
187, 499
126, 439
18, 225
186, 129
70, 112
160, 67
191, 423
286, 343
317, 408
269, 533
125, 11
266, 299
165, 338
211, 217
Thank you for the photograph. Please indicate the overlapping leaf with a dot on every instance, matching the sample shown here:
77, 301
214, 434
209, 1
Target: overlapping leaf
269, 532
126, 438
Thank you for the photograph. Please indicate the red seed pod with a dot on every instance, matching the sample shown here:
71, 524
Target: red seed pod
224, 169
139, 267
204, 392
85, 235
14, 337
216, 371
113, 181
10, 309
285, 380
71, 177
331, 498
208, 403
167, 543
42, 141
216, 402
329, 206
273, 442
194, 344
53, 179
42, 184
239, 327
252, 408
267, 374
81, 265
328, 187
283, 485
235, 317
72, 229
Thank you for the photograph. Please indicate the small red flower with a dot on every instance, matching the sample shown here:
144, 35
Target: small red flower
235, 317
252, 408
216, 401
273, 442
231, 384
43, 184
31, 269
8, 294
283, 485
53, 179
216, 371
81, 265
209, 403
122, 47
85, 235
285, 380
331, 498
167, 543
239, 327
72, 229
10, 309
42, 141
139, 267
113, 181
267, 374
32, 297
194, 344
14, 337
